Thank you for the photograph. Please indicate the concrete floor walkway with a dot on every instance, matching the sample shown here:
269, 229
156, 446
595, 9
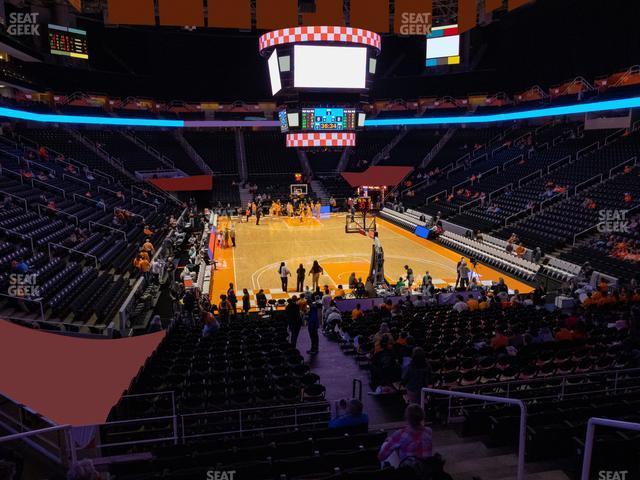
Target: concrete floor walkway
337, 372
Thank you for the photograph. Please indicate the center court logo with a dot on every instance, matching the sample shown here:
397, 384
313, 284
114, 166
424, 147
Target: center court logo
23, 285
221, 474
415, 23
613, 221
23, 24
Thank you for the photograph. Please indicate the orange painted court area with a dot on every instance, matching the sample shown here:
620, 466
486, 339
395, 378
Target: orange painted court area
254, 263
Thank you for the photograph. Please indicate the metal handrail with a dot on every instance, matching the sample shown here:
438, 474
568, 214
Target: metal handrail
34, 180
464, 206
95, 259
124, 234
527, 177
486, 172
614, 135
106, 176
19, 175
553, 164
632, 159
506, 187
454, 169
70, 445
21, 435
477, 159
587, 149
453, 189
517, 214
23, 235
586, 230
434, 196
101, 188
575, 189
148, 192
588, 441
75, 179
554, 199
40, 205
488, 398
75, 195
510, 386
146, 203
24, 200
512, 160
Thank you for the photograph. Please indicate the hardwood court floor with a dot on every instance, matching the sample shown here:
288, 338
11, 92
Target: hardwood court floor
254, 263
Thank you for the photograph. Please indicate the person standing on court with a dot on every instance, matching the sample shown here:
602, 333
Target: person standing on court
315, 272
258, 214
463, 274
410, 277
246, 301
233, 235
300, 272
285, 273
233, 300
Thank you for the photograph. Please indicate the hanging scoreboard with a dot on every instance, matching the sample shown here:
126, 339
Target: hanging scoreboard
69, 42
328, 119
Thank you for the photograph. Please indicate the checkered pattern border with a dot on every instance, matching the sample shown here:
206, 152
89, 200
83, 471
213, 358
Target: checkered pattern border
321, 139
320, 34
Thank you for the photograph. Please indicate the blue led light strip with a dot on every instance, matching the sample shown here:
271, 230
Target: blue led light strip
602, 106
503, 117
88, 120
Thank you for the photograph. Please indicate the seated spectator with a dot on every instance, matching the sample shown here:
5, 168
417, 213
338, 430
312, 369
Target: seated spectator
499, 340
353, 416
563, 334
472, 304
414, 440
460, 306
416, 376
357, 312
384, 366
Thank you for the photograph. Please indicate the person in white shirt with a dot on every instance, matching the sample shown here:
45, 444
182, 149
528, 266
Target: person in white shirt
460, 305
284, 273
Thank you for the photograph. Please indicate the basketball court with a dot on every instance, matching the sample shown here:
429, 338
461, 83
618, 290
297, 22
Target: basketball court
254, 263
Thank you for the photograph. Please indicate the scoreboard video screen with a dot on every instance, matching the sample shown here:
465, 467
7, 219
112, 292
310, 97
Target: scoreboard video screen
69, 42
328, 119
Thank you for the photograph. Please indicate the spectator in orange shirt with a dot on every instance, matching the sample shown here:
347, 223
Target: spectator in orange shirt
147, 231
473, 304
563, 334
147, 246
520, 250
627, 197
357, 312
603, 285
